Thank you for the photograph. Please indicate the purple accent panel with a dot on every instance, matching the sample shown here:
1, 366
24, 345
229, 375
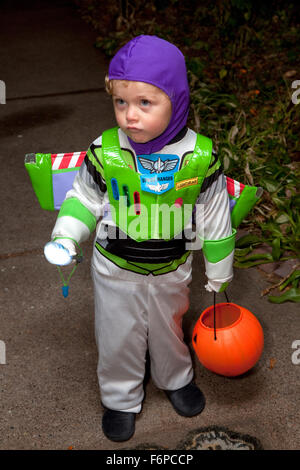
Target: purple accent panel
62, 183
232, 203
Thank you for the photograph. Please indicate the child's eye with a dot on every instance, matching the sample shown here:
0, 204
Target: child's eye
145, 102
119, 101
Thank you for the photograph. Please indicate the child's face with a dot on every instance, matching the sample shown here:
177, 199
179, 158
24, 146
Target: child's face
142, 111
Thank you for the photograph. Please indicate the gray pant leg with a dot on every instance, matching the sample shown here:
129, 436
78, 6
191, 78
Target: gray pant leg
121, 336
171, 364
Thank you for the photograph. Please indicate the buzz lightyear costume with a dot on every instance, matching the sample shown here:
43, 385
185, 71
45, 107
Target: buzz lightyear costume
141, 286
141, 271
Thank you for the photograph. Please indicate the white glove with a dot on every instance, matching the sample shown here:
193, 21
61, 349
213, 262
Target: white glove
215, 286
60, 252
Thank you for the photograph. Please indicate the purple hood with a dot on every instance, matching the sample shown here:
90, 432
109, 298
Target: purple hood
153, 60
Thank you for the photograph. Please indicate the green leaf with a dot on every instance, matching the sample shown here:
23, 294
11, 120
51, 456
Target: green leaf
196, 66
269, 184
276, 251
247, 240
272, 228
263, 256
241, 252
293, 278
222, 73
281, 203
249, 264
291, 295
282, 219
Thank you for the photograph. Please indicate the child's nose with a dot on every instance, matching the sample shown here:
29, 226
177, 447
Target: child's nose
131, 113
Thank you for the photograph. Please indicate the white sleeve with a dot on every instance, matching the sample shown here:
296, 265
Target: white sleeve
89, 200
213, 222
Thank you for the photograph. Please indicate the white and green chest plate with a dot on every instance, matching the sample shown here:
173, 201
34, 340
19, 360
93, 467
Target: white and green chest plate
156, 202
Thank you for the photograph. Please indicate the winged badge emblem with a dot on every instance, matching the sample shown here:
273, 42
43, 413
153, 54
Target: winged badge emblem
159, 165
158, 187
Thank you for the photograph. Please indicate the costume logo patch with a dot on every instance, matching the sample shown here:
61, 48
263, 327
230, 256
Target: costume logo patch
157, 172
185, 183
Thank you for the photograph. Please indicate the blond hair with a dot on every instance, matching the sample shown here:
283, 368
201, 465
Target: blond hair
110, 83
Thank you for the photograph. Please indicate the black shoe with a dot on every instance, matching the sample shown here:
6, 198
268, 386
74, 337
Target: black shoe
187, 401
118, 425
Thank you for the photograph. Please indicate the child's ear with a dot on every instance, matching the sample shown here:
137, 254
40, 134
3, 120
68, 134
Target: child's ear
108, 85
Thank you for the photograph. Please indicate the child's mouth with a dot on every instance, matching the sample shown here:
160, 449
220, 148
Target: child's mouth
133, 129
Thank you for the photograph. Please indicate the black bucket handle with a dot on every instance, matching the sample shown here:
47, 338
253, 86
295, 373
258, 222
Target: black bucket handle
215, 332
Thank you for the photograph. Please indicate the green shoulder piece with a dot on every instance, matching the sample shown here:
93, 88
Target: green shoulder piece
242, 199
247, 200
111, 144
38, 166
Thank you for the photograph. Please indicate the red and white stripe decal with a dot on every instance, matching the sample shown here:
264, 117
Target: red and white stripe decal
234, 188
63, 161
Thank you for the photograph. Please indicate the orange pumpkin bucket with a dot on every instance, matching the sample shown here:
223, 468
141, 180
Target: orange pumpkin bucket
228, 339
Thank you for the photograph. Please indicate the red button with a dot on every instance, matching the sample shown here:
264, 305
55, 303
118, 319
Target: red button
178, 202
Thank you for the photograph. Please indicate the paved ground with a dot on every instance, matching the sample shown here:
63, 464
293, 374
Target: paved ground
49, 396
